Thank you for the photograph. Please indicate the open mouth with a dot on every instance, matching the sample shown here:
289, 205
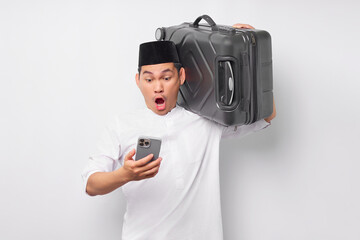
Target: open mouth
160, 103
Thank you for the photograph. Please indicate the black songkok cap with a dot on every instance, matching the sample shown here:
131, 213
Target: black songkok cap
157, 52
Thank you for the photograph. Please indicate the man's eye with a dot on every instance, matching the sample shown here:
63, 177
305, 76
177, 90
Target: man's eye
167, 78
148, 80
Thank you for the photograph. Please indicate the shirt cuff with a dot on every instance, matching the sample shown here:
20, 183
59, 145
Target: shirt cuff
261, 124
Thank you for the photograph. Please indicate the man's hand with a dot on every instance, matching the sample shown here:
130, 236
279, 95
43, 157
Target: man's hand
273, 115
100, 183
140, 169
241, 25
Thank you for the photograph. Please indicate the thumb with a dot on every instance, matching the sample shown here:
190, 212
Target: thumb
130, 155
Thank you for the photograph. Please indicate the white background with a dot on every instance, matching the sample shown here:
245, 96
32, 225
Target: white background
67, 67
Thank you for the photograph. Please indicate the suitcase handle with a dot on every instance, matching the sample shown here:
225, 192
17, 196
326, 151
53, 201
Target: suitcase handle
208, 19
225, 83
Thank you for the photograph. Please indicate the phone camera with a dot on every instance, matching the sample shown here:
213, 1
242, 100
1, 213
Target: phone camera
143, 142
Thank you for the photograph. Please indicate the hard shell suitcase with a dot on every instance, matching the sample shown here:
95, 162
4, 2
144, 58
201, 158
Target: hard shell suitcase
228, 71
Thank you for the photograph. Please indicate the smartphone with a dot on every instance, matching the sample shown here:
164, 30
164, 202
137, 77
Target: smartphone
146, 146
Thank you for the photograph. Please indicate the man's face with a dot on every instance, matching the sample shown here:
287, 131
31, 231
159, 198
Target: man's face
159, 84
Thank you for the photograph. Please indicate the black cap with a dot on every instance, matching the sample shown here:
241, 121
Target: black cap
157, 52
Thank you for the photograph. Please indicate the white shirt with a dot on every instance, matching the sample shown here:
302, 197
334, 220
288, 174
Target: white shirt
183, 200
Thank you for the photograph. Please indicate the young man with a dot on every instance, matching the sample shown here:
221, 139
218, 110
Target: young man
180, 200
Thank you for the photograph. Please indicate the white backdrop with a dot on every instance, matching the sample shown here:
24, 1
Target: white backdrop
67, 67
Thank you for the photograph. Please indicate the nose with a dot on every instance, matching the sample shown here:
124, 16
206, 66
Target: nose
158, 87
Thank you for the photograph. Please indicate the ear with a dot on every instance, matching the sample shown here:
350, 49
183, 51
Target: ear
182, 75
137, 79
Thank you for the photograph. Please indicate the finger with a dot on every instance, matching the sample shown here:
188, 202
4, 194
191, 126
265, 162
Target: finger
151, 165
130, 154
144, 161
151, 173
240, 25
237, 25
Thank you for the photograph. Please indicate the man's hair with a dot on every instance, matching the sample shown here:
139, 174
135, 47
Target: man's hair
177, 66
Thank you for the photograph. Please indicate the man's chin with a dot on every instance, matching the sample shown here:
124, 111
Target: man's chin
160, 107
160, 110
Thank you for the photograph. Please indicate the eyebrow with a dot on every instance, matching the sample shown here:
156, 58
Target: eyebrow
166, 70
163, 71
147, 72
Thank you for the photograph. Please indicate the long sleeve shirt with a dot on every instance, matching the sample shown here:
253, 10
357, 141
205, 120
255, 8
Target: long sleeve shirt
183, 200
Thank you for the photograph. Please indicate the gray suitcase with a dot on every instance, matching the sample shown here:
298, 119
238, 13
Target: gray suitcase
228, 71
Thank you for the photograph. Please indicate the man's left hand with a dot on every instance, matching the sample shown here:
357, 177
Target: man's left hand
273, 115
241, 25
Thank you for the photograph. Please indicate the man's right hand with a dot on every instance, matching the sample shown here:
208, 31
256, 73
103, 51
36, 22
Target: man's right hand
101, 183
140, 169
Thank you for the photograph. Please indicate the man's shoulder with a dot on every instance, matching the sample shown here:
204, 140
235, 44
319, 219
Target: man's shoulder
191, 115
197, 117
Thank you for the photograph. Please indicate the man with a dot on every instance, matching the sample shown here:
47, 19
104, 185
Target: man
182, 199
